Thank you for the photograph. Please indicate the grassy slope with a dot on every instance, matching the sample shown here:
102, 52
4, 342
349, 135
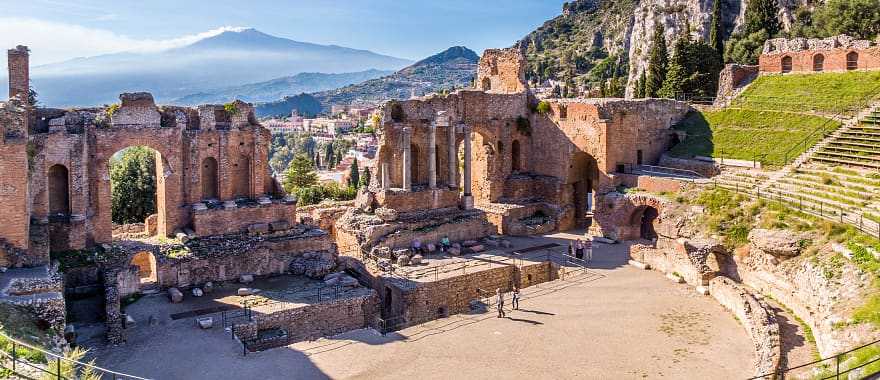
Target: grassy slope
747, 134
827, 93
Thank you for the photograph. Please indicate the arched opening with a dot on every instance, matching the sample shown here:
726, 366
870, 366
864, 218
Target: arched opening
416, 158
241, 178
487, 84
852, 61
145, 263
583, 176
209, 178
59, 190
818, 63
786, 64
133, 175
646, 226
514, 156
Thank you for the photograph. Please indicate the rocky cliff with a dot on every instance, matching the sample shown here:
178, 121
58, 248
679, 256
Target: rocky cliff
593, 37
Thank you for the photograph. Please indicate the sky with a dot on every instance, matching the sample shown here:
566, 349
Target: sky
58, 30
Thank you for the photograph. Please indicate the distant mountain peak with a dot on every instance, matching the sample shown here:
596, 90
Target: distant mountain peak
451, 54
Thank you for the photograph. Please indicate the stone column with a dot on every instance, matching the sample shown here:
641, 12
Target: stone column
407, 159
468, 199
432, 156
386, 179
453, 158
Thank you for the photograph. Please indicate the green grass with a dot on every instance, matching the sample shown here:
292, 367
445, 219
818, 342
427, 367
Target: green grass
15, 323
748, 135
827, 93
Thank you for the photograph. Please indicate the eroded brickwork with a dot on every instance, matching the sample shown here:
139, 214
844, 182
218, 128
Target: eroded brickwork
833, 54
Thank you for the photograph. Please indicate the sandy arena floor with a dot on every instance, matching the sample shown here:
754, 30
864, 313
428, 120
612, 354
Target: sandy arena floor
616, 322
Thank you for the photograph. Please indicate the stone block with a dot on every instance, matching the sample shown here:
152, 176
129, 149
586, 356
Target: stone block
640, 265
258, 228
477, 248
399, 252
196, 292
206, 322
381, 252
704, 290
175, 295
246, 292
246, 279
415, 260
469, 243
453, 251
403, 260
604, 240
281, 225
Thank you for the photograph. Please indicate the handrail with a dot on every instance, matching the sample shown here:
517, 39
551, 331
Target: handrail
837, 357
863, 103
691, 172
58, 360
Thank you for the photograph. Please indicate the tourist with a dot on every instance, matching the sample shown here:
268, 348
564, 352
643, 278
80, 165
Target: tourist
444, 244
570, 248
499, 303
579, 249
515, 301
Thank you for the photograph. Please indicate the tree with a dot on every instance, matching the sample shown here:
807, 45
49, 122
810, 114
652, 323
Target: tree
693, 70
354, 175
762, 15
365, 178
746, 49
716, 30
673, 84
657, 62
133, 185
328, 155
640, 86
300, 174
857, 18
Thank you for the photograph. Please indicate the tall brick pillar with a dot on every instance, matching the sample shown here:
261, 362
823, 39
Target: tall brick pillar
468, 198
19, 71
407, 160
432, 156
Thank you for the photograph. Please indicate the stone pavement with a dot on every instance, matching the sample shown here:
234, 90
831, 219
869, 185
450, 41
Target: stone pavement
616, 322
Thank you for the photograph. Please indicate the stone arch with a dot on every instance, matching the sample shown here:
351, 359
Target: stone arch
818, 63
786, 64
209, 178
852, 60
582, 180
170, 215
240, 173
58, 178
515, 164
486, 85
620, 216
145, 262
644, 218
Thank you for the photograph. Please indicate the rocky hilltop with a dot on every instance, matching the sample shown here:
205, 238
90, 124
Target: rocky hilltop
594, 40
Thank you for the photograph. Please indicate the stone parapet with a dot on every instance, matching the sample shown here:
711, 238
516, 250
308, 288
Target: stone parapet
222, 220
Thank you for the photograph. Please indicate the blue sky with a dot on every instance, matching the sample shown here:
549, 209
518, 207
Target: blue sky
63, 29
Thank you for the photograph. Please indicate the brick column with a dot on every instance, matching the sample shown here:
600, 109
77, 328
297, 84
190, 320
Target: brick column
432, 156
386, 180
19, 71
468, 200
407, 160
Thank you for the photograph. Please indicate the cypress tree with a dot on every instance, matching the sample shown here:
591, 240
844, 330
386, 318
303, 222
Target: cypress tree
677, 74
365, 178
762, 14
657, 62
640, 87
354, 175
716, 32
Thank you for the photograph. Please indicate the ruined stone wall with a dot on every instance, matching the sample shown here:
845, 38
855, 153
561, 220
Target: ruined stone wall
502, 70
404, 201
431, 300
732, 78
803, 53
223, 220
310, 322
19, 71
14, 207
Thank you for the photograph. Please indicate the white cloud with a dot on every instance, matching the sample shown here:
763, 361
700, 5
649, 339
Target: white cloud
53, 41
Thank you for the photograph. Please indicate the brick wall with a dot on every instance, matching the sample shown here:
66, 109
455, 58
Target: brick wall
804, 54
19, 71
221, 220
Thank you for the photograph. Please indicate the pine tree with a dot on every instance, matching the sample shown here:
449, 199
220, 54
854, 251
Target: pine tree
657, 62
762, 14
354, 175
300, 174
677, 74
640, 86
133, 185
716, 31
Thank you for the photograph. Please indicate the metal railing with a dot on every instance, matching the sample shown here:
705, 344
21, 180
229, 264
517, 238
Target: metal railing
832, 367
809, 206
655, 169
56, 367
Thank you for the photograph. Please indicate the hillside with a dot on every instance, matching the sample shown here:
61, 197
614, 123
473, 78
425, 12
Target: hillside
231, 58
282, 87
452, 68
304, 104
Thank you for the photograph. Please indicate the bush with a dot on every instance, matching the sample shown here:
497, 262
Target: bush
543, 107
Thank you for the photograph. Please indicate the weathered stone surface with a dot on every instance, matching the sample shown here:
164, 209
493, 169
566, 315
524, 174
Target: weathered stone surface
196, 292
175, 295
209, 287
281, 225
387, 214
245, 292
415, 260
453, 251
477, 248
403, 260
246, 279
258, 228
206, 322
776, 242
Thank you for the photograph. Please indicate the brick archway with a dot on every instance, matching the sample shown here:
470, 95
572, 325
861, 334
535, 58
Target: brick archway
169, 192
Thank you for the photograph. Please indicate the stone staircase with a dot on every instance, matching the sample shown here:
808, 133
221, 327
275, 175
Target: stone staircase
856, 144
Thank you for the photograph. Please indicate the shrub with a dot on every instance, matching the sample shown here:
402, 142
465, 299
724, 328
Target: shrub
543, 107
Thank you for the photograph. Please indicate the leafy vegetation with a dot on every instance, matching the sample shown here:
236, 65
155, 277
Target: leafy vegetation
658, 60
760, 23
693, 70
133, 185
747, 135
300, 174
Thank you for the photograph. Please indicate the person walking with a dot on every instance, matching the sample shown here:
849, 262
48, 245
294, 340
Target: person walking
571, 248
515, 301
499, 303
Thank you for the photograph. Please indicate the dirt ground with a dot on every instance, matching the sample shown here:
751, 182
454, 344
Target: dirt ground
614, 321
